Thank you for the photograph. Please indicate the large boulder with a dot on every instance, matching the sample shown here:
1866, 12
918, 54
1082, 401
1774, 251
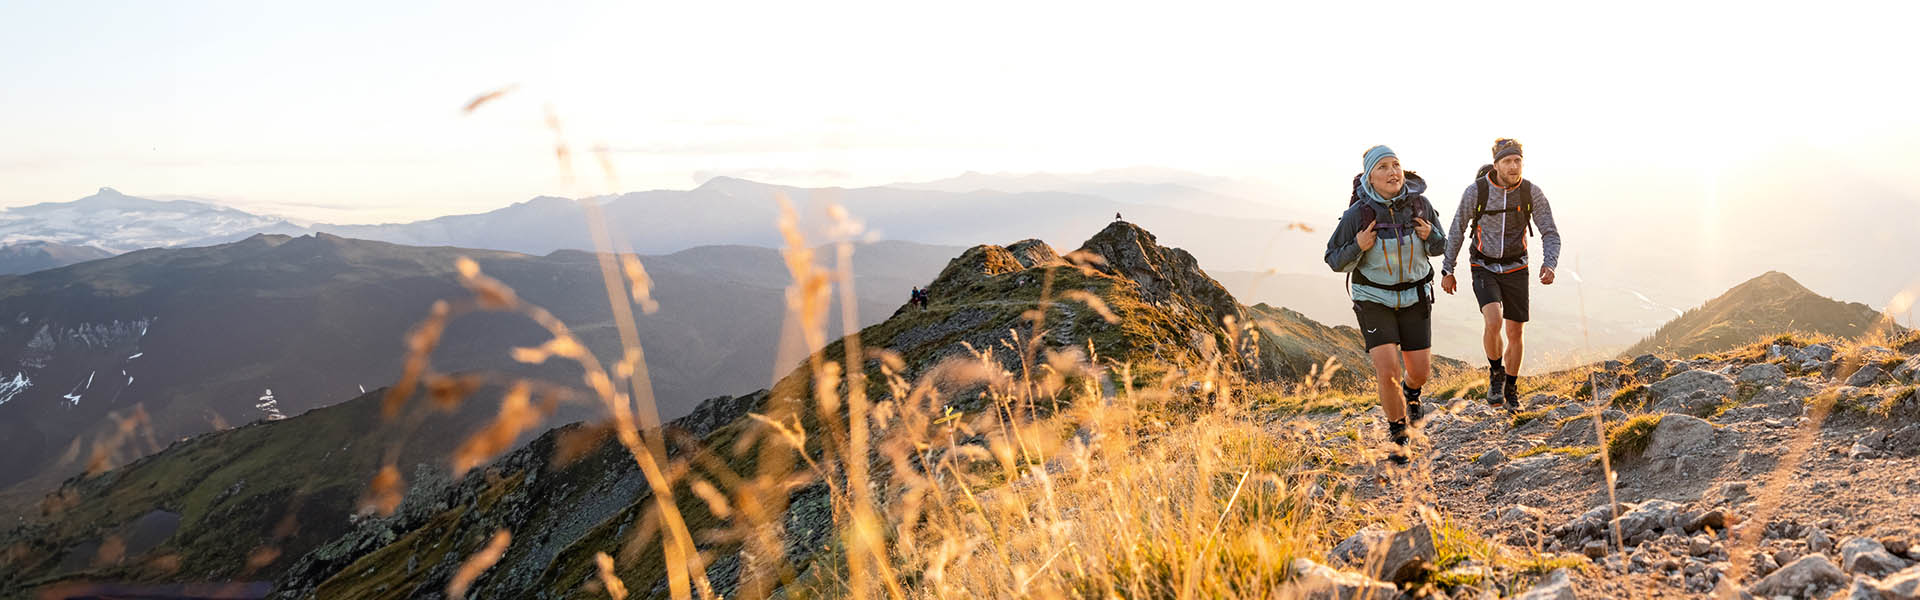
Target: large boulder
1904, 585
1556, 586
1652, 517
1864, 556
1763, 374
1577, 432
1868, 375
1903, 442
1811, 573
1646, 367
1677, 433
1490, 460
1908, 372
1316, 581
1396, 557
1352, 552
1690, 385
1409, 555
1816, 353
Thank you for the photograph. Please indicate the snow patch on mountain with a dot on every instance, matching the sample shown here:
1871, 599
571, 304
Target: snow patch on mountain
49, 340
73, 397
116, 222
12, 387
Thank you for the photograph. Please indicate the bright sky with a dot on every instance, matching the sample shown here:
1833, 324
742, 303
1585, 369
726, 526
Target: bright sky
350, 111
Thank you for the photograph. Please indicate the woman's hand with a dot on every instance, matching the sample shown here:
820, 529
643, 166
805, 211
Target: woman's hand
1366, 237
1422, 228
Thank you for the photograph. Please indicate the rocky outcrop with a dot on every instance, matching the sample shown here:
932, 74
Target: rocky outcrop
972, 268
1167, 276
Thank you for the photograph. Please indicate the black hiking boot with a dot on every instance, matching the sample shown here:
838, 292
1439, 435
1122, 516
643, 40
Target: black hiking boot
1496, 388
1511, 389
1397, 435
1413, 405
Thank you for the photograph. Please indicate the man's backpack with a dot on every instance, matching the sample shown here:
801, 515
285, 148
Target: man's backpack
1524, 193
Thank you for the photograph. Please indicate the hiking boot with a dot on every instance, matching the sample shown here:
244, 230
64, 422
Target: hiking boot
1413, 405
1511, 389
1496, 390
1397, 434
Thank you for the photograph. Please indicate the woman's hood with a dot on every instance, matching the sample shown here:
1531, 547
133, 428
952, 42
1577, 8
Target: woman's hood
1415, 186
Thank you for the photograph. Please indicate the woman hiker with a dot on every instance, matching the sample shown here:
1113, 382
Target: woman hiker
1383, 242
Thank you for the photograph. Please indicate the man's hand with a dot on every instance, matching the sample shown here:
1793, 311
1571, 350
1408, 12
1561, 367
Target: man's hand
1366, 237
1546, 275
1422, 228
1448, 283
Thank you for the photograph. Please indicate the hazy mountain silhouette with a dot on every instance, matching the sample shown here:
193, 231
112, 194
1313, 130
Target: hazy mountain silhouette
1768, 305
27, 257
183, 341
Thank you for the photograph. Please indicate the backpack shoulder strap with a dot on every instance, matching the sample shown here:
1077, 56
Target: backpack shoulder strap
1480, 204
1526, 203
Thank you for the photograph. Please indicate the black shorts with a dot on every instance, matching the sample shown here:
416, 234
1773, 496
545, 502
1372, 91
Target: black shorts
1410, 327
1509, 289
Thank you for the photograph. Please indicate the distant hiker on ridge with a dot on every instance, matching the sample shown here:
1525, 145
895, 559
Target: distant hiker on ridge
1383, 242
1502, 209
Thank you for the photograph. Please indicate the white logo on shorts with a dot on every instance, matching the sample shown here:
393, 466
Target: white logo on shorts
1372, 330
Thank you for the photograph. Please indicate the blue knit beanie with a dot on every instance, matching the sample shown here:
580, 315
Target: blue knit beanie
1373, 157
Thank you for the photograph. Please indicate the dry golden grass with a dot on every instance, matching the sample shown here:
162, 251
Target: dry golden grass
1070, 482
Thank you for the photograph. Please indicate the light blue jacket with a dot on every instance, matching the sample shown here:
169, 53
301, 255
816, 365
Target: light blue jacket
1398, 254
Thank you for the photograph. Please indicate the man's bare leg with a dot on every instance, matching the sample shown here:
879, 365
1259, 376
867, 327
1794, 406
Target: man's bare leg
1491, 337
1512, 361
1419, 367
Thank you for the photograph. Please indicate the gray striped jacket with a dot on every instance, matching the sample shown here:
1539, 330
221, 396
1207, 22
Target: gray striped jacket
1495, 234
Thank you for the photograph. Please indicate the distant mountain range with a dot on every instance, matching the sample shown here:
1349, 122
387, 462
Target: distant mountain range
723, 211
184, 341
1768, 305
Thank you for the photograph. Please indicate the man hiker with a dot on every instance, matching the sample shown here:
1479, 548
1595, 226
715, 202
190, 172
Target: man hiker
1501, 208
1383, 242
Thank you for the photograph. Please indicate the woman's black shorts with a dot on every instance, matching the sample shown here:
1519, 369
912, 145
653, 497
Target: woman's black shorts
1410, 327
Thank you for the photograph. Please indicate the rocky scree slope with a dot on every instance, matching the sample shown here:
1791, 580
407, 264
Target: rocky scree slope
1787, 468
